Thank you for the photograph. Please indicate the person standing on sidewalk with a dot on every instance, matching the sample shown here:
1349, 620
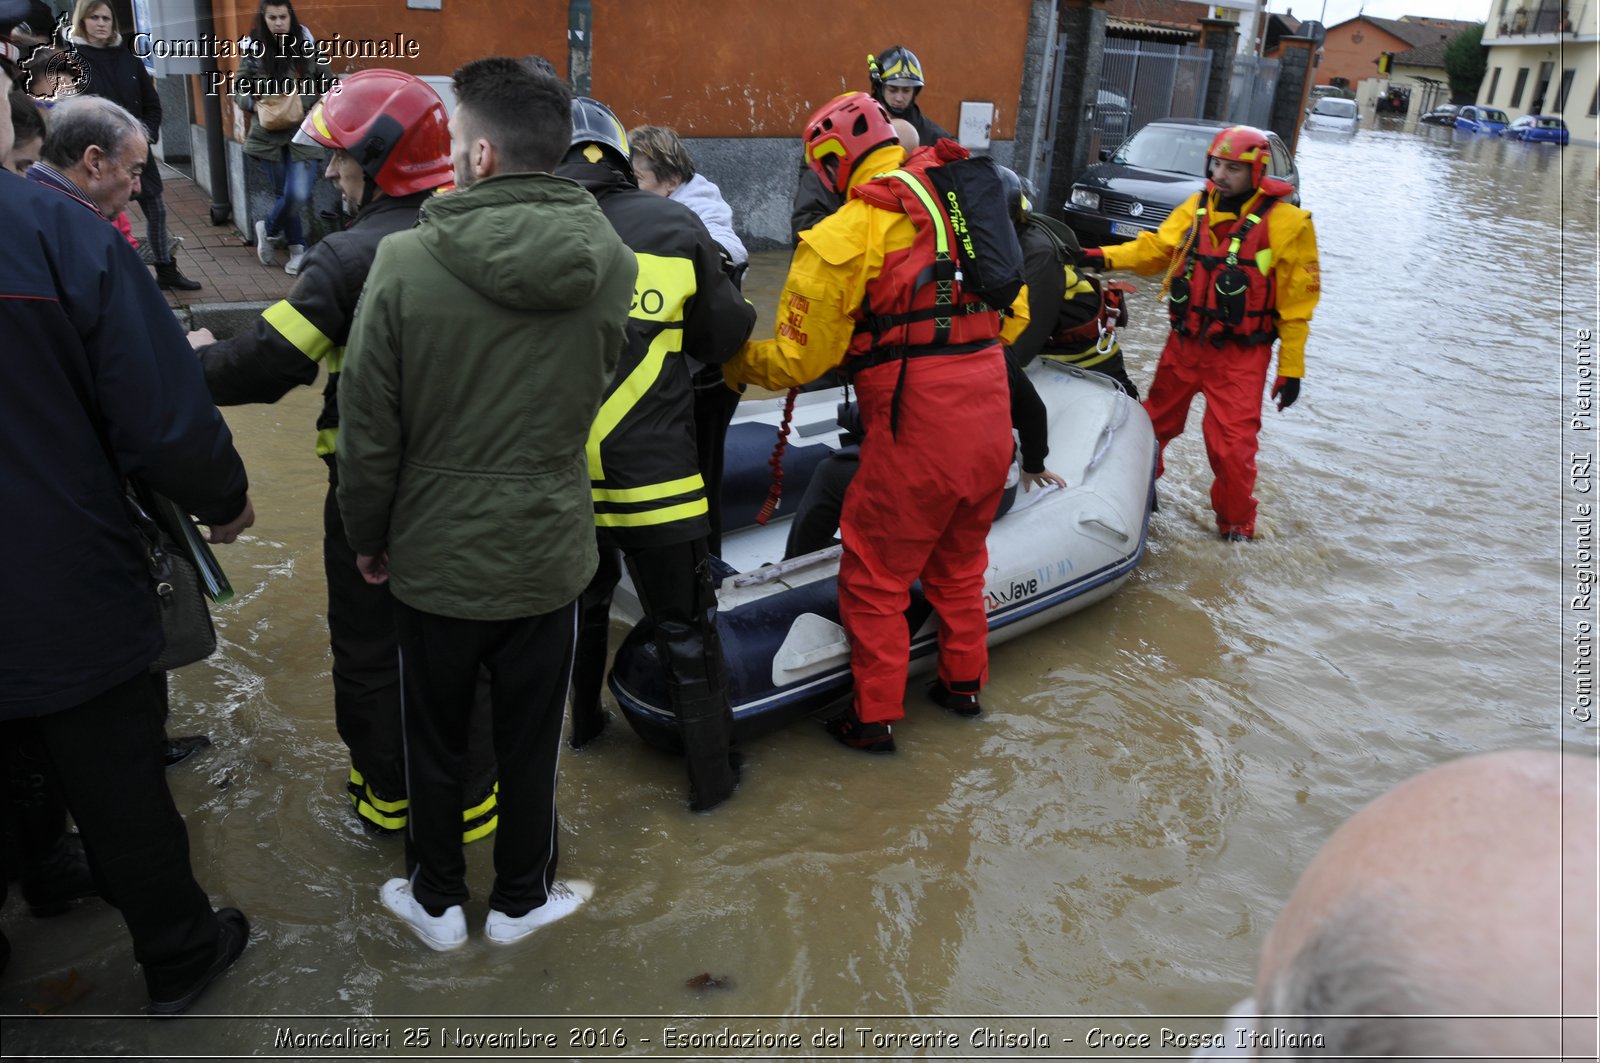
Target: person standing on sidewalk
112, 71
391, 149
474, 370
110, 392
280, 61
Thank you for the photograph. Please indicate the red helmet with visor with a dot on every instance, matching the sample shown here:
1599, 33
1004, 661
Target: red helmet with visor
392, 123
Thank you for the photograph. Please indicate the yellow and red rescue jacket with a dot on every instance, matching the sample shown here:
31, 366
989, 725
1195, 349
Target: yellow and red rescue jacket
835, 272
1291, 238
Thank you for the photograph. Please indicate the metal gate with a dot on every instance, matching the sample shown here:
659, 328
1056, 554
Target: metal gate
1141, 82
1255, 82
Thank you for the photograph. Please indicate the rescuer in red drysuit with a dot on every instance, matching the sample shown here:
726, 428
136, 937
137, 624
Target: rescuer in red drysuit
864, 294
1241, 272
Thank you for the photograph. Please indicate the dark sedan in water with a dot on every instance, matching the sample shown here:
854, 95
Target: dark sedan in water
1158, 168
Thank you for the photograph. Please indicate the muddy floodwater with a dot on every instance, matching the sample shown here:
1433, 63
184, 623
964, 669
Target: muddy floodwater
1106, 845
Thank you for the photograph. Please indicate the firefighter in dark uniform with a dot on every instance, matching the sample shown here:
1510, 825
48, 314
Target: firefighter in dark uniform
391, 150
649, 497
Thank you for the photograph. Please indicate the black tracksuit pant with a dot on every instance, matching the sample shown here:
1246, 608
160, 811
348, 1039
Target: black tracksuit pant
529, 664
366, 695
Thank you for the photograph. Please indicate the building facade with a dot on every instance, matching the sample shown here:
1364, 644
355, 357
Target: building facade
1543, 58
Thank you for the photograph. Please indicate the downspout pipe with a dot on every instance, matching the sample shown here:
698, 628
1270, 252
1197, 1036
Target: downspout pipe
211, 107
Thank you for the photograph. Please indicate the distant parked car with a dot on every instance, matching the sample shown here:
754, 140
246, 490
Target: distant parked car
1113, 117
1481, 119
1159, 167
1444, 114
1546, 127
1331, 114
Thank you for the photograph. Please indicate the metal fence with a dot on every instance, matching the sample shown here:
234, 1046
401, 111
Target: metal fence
1255, 82
1141, 82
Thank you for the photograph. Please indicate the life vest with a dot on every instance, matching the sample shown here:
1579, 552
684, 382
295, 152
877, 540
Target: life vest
1226, 292
916, 306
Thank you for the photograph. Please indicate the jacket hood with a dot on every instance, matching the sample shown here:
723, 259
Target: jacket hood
529, 241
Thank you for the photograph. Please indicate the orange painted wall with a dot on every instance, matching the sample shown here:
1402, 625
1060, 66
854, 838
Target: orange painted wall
710, 68
1344, 56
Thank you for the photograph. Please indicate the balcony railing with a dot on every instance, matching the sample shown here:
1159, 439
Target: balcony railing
1543, 22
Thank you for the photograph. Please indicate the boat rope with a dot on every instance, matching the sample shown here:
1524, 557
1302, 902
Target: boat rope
770, 506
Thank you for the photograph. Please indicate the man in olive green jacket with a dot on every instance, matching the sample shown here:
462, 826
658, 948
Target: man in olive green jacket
482, 346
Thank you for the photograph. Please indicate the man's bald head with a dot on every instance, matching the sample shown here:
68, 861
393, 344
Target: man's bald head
1468, 890
907, 134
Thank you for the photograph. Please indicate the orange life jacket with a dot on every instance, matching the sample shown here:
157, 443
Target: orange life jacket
916, 305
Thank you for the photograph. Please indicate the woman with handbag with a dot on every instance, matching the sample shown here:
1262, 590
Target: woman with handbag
109, 69
279, 59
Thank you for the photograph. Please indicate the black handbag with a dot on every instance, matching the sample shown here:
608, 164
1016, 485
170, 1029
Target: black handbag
180, 600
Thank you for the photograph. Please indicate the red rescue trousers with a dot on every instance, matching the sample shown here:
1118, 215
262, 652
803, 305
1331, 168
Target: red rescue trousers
921, 507
1232, 378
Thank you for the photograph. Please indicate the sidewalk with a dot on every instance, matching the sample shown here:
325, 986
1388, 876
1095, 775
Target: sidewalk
218, 256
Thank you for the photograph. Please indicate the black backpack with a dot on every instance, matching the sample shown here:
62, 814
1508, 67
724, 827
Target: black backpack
973, 195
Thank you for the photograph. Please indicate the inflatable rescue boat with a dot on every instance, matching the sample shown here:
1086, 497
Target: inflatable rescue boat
1052, 553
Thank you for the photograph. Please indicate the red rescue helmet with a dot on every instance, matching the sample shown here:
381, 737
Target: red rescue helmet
1242, 143
844, 131
392, 123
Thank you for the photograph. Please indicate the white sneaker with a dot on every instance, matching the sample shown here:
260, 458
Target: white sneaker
263, 244
563, 899
439, 932
297, 255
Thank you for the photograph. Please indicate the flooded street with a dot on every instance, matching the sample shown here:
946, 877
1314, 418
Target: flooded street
1112, 838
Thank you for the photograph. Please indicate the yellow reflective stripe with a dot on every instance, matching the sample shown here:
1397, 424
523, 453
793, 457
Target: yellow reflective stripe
335, 360
298, 330
651, 492
469, 836
484, 806
941, 238
1082, 362
327, 441
654, 516
1264, 259
663, 287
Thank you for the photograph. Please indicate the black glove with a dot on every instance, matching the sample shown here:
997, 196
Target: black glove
1286, 389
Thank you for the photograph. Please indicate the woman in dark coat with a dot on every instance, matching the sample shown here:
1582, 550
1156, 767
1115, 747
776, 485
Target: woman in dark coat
112, 71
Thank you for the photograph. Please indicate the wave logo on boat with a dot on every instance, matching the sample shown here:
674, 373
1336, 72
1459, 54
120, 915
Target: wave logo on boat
1015, 591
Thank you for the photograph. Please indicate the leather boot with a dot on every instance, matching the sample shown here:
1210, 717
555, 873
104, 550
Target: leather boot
169, 276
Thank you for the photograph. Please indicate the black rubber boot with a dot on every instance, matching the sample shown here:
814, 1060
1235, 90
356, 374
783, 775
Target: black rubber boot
698, 689
589, 660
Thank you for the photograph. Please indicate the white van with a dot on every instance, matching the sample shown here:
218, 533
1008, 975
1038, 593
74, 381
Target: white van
1334, 115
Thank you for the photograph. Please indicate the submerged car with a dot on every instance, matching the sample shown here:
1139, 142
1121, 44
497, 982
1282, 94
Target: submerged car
1159, 167
1545, 127
1333, 115
1444, 114
1481, 119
